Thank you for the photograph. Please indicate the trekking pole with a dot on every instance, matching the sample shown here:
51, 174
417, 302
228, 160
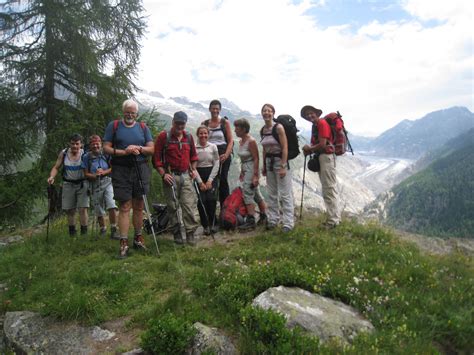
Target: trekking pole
302, 188
50, 193
145, 202
179, 213
196, 188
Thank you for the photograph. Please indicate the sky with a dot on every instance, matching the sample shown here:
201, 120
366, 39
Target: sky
377, 62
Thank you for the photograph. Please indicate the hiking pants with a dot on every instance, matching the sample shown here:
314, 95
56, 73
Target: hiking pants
187, 202
280, 194
327, 175
208, 199
251, 193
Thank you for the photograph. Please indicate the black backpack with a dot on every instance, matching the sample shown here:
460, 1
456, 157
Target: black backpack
291, 132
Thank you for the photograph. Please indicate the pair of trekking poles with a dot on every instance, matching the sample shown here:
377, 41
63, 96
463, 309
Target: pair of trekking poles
179, 214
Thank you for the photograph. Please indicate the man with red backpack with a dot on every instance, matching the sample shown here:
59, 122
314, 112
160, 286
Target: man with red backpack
322, 143
129, 143
175, 160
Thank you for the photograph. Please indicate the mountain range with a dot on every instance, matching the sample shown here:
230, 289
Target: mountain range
379, 163
411, 139
437, 200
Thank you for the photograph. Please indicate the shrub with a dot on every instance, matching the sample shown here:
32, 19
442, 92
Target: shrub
265, 332
168, 335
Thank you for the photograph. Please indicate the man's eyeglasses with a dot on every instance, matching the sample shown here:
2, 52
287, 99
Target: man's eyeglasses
130, 113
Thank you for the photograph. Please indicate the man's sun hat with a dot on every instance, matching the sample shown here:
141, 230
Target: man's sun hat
307, 108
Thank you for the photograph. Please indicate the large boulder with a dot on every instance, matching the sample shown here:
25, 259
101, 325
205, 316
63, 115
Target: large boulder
209, 339
29, 333
319, 316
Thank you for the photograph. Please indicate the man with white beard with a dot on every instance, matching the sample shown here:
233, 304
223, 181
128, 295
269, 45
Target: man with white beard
129, 143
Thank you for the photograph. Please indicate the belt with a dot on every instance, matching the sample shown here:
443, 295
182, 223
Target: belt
73, 181
273, 155
177, 172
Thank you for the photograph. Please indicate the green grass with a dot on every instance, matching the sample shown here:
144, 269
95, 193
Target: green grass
417, 303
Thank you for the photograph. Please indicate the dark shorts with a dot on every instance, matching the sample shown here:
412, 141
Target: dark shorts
126, 184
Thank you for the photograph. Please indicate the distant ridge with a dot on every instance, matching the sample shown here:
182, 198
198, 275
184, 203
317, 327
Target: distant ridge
412, 139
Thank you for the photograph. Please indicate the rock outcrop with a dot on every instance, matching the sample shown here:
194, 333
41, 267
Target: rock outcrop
28, 332
212, 340
318, 316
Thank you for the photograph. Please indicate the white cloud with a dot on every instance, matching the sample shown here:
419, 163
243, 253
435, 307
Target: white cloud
257, 51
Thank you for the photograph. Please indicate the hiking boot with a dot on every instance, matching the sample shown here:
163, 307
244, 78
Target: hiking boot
190, 239
215, 229
113, 233
139, 242
262, 220
103, 231
83, 230
72, 231
286, 229
270, 226
248, 225
123, 252
206, 231
178, 239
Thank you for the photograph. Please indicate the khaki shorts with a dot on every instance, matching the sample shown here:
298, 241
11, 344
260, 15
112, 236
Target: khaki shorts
102, 196
75, 195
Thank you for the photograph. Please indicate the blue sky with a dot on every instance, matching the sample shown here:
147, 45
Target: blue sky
379, 62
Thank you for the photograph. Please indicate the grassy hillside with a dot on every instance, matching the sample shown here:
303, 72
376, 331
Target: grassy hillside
417, 303
438, 200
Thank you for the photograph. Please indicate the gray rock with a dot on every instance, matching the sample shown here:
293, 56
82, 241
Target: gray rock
28, 332
138, 351
319, 316
14, 239
11, 240
211, 339
3, 345
3, 287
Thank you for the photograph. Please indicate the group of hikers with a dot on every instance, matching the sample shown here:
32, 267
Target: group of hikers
118, 170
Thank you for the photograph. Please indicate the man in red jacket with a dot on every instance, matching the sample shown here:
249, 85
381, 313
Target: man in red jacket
322, 143
175, 160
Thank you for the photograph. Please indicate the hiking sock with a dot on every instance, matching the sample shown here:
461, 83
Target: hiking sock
72, 231
113, 232
83, 230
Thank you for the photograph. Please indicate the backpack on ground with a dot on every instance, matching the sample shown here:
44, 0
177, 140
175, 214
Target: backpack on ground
339, 133
291, 132
233, 210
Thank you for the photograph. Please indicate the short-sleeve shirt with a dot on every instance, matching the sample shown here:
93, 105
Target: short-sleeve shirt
323, 130
125, 136
92, 162
177, 156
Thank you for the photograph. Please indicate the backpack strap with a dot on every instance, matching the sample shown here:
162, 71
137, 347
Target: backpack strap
64, 151
115, 127
189, 140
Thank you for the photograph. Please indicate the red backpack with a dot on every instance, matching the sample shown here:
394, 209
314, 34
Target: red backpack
233, 210
339, 133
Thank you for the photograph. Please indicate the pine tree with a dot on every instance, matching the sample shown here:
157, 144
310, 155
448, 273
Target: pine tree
65, 67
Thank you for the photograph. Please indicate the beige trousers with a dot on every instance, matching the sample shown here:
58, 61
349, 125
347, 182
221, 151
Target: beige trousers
327, 175
187, 201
